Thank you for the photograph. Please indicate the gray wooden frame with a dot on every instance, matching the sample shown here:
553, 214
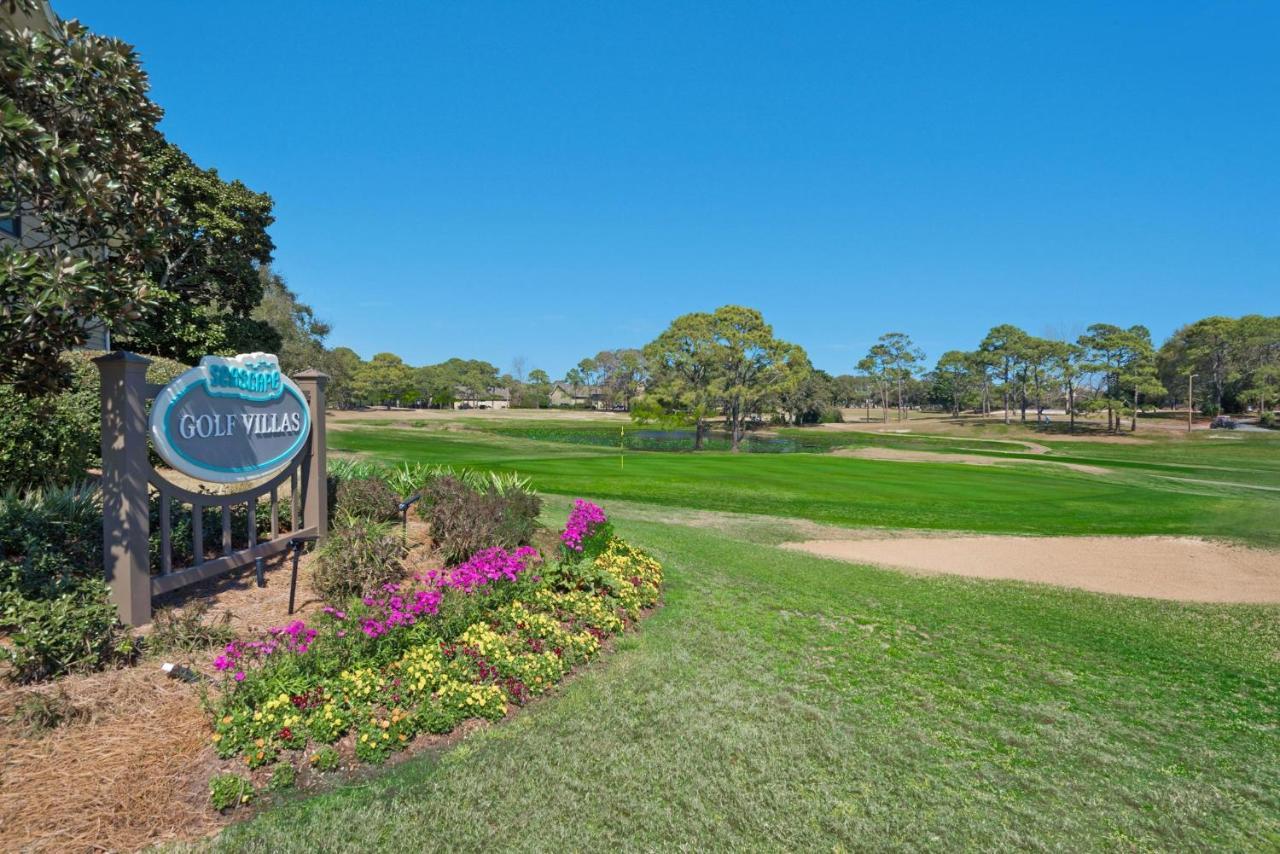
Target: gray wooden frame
127, 475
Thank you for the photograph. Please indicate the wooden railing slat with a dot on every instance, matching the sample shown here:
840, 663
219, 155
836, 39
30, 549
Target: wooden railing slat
226, 529
166, 535
197, 534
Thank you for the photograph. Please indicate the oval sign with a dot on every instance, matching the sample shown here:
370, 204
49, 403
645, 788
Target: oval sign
230, 419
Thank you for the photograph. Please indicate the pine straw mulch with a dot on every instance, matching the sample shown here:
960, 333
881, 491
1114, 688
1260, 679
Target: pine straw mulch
131, 771
130, 765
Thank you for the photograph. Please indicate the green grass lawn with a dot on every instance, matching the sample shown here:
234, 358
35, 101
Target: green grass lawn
1137, 498
779, 701
783, 702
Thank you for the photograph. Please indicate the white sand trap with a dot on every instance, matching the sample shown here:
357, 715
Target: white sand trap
1182, 568
901, 456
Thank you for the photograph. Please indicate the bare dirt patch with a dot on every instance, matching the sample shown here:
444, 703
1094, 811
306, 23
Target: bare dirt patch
1180, 568
897, 455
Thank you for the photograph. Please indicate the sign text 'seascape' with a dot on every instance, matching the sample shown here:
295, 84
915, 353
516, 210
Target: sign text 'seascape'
230, 419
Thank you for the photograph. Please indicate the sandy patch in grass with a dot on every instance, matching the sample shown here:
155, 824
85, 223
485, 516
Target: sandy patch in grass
1181, 568
902, 456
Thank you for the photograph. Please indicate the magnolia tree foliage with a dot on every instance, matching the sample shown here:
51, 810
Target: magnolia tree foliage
209, 274
75, 128
121, 228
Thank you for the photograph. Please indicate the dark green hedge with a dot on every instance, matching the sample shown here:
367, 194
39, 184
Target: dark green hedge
55, 439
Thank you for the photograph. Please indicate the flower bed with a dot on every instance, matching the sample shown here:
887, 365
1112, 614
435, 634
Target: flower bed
426, 655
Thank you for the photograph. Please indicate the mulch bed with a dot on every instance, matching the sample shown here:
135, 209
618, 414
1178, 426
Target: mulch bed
129, 766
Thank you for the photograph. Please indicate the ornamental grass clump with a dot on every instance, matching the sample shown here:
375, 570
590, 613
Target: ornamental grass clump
359, 556
423, 655
465, 520
366, 498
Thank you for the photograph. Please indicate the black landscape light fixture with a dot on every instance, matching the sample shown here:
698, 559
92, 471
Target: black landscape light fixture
403, 508
296, 544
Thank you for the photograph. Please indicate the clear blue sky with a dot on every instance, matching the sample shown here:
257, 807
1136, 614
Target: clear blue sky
550, 179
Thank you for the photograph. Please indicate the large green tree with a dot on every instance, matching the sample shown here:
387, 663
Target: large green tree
953, 380
750, 367
342, 364
902, 360
619, 374
877, 368
207, 273
76, 126
384, 380
299, 334
1124, 362
682, 367
726, 361
1003, 349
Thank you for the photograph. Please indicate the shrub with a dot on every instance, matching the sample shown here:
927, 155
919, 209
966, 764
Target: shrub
283, 777
49, 536
326, 759
186, 630
367, 498
56, 438
464, 520
229, 790
360, 556
73, 631
341, 469
1268, 420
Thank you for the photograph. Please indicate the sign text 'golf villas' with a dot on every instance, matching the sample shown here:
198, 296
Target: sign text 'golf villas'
230, 419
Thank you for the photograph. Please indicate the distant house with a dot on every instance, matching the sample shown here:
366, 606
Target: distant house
25, 230
492, 398
581, 396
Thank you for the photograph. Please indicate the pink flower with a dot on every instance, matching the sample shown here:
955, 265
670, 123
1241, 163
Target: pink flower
584, 522
239, 677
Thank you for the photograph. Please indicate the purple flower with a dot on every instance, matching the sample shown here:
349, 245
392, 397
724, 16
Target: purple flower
584, 522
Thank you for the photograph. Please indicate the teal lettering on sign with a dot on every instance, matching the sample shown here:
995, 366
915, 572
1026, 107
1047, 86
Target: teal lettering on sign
229, 420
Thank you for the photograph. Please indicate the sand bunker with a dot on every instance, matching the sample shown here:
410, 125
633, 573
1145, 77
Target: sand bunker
1181, 568
962, 459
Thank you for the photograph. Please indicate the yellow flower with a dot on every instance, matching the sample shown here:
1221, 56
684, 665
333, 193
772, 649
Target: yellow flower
217, 737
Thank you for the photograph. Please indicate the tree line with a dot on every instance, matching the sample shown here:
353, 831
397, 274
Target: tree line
727, 365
